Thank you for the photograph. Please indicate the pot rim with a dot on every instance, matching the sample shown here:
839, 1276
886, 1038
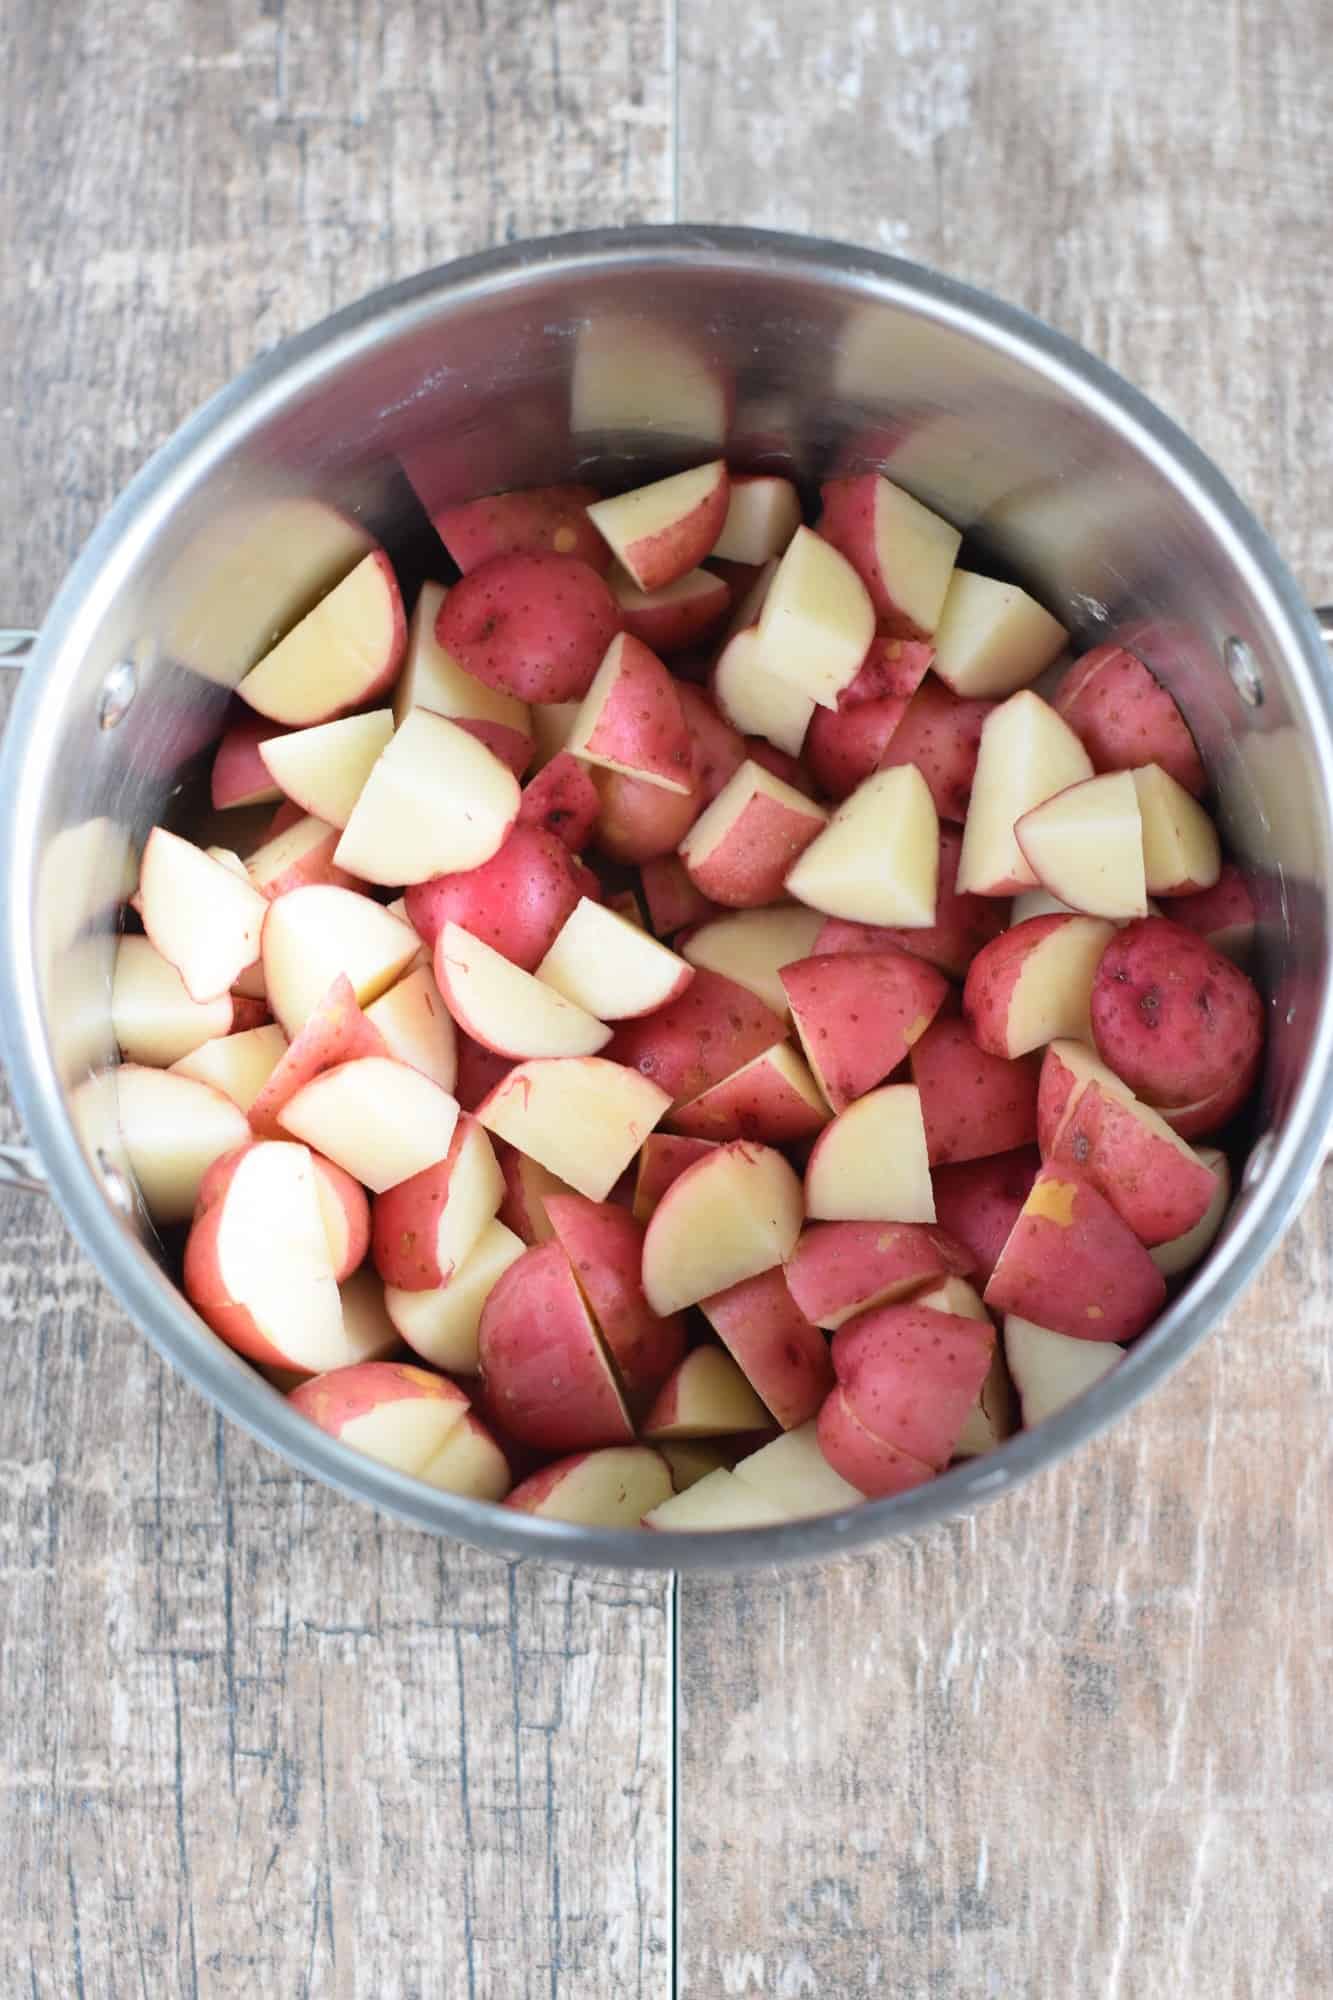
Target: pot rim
1269, 1194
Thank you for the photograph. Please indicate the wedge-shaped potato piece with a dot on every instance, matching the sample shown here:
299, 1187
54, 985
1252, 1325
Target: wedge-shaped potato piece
417, 1028
1034, 984
663, 1158
706, 1395
340, 656
610, 967
782, 1356
858, 1014
763, 513
432, 678
870, 1164
202, 916
794, 1474
877, 1468
740, 849
548, 1381
1182, 1253
611, 1488
441, 1325
903, 553
507, 1009
1182, 855
426, 1228
1052, 1369
1152, 1179
173, 1128
239, 1065
877, 861
840, 1269
757, 701
674, 617
324, 770
437, 802
992, 638
1070, 1258
631, 720
818, 621
752, 946
734, 1213
311, 935
658, 532
773, 1099
1086, 846
912, 1375
604, 1243
581, 1117
469, 1462
377, 1119
153, 1018
1027, 754
717, 1501
337, 1032
395, 1413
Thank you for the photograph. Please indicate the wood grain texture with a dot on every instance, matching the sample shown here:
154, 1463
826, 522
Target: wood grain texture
255, 1741
1078, 1744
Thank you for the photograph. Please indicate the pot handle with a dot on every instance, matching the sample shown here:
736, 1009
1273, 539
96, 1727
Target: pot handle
19, 1165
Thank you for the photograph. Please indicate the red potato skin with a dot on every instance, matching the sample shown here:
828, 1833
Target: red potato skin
784, 1359
405, 1221
354, 1202
858, 1014
516, 902
978, 1202
543, 1373
530, 521
1053, 1092
240, 776
963, 924
994, 974
201, 1277
273, 876
341, 1395
748, 866
673, 626
847, 745
1174, 1019
604, 1245
287, 814
659, 559
1227, 909
638, 821
562, 800
514, 747
719, 750
522, 1209
337, 1032
877, 1469
1210, 1114
911, 1374
532, 1493
847, 520
673, 901
891, 668
479, 1070
641, 723
757, 1104
1160, 1192
663, 1158
972, 1103
1071, 1264
247, 1012
1124, 717
843, 1268
940, 733
693, 1042
535, 626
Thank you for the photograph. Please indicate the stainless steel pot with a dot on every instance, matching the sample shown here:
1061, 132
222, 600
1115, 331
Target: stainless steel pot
636, 351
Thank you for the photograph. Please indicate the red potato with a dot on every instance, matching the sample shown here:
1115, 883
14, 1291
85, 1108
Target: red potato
1050, 1370
719, 750
1182, 1253
781, 1355
692, 1459
512, 747
817, 620
1071, 1264
845, 745
240, 776
911, 1375
902, 552
893, 668
173, 1128
674, 617
516, 902
432, 678
377, 1119
638, 821
740, 850
978, 1202
734, 1213
204, 916
1177, 1021
962, 926
441, 1324
1027, 754
631, 720
1086, 846
246, 1013
324, 769
758, 702
604, 1245
336, 1032
1223, 915
992, 638
752, 947
778, 764
672, 899
546, 1376
1125, 717
772, 1099
345, 1210
437, 801
1034, 983
763, 513
238, 1064
1066, 1068
1209, 1114
661, 531
415, 1026
425, 1229
714, 1028
611, 1488
313, 934
341, 655
607, 964
561, 800
1181, 851
506, 1009
298, 855
535, 626
972, 1103
258, 1265
874, 1468
877, 860
706, 1395
793, 1473
533, 520
870, 1164
857, 1015
470, 1462
940, 734
663, 1159
839, 1269
153, 1018
1151, 1178
393, 1412
528, 1187
711, 1503
581, 1117
479, 1071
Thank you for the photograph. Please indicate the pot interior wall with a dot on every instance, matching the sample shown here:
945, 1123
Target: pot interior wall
546, 374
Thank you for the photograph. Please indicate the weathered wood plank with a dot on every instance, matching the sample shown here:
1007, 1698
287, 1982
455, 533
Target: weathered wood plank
256, 1740
1078, 1743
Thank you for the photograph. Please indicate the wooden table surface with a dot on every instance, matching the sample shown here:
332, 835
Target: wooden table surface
256, 1741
